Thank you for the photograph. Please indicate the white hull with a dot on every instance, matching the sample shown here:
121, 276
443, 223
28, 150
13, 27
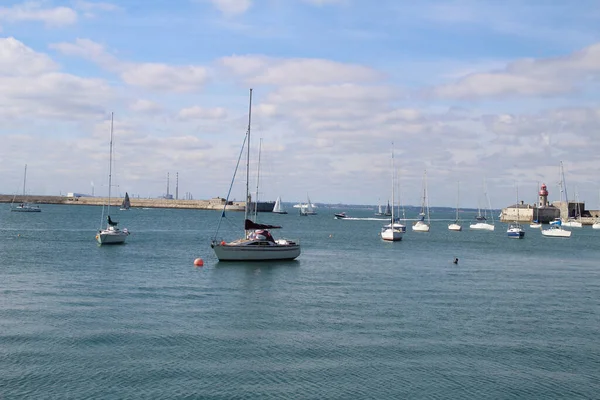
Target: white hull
515, 233
482, 226
392, 235
535, 226
556, 232
26, 209
110, 236
420, 226
572, 224
596, 225
455, 227
241, 251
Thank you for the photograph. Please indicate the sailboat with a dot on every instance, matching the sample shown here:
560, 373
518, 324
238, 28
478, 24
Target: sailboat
126, 204
111, 234
596, 224
24, 206
556, 227
481, 219
278, 208
393, 231
421, 225
308, 209
556, 230
536, 224
570, 222
257, 244
515, 230
455, 226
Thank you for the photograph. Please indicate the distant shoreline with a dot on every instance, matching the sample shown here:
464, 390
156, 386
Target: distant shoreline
212, 204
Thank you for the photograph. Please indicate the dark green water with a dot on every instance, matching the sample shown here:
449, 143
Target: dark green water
352, 318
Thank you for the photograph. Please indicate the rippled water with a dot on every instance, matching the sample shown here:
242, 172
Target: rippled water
352, 318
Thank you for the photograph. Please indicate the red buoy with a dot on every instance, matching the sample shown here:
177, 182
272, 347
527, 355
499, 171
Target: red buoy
198, 262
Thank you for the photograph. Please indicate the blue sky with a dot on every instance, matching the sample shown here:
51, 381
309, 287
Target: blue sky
469, 90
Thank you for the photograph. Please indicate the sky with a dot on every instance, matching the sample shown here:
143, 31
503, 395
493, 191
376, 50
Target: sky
485, 96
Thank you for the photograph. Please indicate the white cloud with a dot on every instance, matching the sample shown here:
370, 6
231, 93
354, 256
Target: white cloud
145, 106
32, 85
34, 11
528, 77
197, 112
155, 76
18, 59
232, 7
164, 77
262, 70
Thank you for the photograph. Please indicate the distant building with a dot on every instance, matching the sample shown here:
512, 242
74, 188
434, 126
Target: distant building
74, 195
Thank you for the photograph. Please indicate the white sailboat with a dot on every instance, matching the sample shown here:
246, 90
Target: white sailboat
569, 221
393, 231
278, 208
515, 230
308, 208
421, 225
24, 206
481, 220
257, 244
111, 234
455, 226
556, 230
596, 224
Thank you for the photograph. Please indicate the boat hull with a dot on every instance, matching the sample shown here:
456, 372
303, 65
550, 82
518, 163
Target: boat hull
111, 237
26, 209
515, 234
244, 252
596, 225
454, 227
535, 225
556, 233
482, 226
392, 235
420, 226
573, 224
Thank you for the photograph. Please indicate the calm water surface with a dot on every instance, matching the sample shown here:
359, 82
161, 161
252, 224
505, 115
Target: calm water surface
352, 318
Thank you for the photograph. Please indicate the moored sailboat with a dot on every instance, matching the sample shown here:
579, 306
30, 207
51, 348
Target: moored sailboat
393, 231
25, 206
257, 244
421, 225
455, 226
515, 230
111, 234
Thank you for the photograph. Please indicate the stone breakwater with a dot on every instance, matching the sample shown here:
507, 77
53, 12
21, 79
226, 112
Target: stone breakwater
212, 204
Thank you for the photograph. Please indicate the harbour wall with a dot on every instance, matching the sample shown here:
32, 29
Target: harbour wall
527, 213
216, 203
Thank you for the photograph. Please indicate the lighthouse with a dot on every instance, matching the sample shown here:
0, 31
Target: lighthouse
543, 196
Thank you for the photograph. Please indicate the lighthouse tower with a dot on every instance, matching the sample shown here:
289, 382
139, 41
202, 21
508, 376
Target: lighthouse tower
543, 196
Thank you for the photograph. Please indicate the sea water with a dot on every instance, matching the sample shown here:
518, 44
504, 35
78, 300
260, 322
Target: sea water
352, 318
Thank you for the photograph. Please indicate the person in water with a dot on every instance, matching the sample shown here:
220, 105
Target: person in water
455, 260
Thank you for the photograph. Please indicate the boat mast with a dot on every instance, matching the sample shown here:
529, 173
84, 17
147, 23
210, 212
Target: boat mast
248, 160
110, 163
24, 179
257, 180
393, 191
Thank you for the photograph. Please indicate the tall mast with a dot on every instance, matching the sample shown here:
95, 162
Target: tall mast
248, 159
110, 162
393, 188
257, 180
24, 179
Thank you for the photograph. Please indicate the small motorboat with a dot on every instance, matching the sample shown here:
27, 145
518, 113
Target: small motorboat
341, 215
